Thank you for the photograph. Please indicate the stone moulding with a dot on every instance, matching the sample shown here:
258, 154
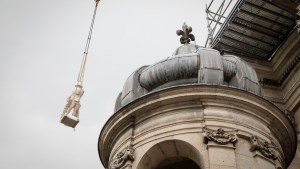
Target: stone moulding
220, 136
263, 147
127, 154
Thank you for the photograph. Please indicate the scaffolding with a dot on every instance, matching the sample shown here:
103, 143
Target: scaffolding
216, 15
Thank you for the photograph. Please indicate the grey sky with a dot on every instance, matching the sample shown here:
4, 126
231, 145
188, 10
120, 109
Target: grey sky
41, 50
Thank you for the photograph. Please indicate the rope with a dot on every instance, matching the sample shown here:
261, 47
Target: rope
87, 46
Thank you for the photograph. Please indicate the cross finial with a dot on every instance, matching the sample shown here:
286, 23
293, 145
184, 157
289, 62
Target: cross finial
186, 35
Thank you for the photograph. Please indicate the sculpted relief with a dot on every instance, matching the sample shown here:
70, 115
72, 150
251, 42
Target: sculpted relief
220, 136
263, 147
122, 157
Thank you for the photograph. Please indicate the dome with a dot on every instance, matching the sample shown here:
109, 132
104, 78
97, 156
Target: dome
190, 64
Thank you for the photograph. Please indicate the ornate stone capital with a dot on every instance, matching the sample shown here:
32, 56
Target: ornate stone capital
122, 157
220, 136
263, 147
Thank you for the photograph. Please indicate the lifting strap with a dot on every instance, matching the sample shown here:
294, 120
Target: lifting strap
86, 50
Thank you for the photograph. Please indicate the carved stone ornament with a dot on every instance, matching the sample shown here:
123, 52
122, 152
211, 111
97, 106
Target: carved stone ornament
186, 35
220, 136
122, 157
263, 147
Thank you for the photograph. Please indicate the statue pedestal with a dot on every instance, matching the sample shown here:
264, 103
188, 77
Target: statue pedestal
69, 120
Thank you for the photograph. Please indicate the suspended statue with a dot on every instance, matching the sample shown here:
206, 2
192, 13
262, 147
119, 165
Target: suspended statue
73, 102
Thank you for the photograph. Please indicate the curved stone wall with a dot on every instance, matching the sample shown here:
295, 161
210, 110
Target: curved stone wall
218, 126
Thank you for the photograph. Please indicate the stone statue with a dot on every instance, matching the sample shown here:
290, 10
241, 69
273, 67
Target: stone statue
73, 102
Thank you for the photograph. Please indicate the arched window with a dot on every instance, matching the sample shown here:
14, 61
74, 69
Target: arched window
178, 163
171, 154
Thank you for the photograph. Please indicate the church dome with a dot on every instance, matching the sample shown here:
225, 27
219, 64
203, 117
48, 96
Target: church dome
189, 65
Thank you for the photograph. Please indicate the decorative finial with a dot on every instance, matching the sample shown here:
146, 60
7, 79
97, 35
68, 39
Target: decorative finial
186, 35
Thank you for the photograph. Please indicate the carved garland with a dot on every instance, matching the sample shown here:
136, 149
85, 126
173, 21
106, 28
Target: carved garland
122, 157
220, 136
263, 147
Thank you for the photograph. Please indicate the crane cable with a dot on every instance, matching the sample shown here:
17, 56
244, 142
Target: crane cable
86, 50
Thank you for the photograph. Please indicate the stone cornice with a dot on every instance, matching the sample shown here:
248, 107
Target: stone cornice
283, 76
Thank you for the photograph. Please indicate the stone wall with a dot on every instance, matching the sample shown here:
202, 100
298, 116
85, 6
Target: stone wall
214, 126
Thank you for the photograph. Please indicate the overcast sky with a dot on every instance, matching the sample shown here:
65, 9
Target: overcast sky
42, 42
